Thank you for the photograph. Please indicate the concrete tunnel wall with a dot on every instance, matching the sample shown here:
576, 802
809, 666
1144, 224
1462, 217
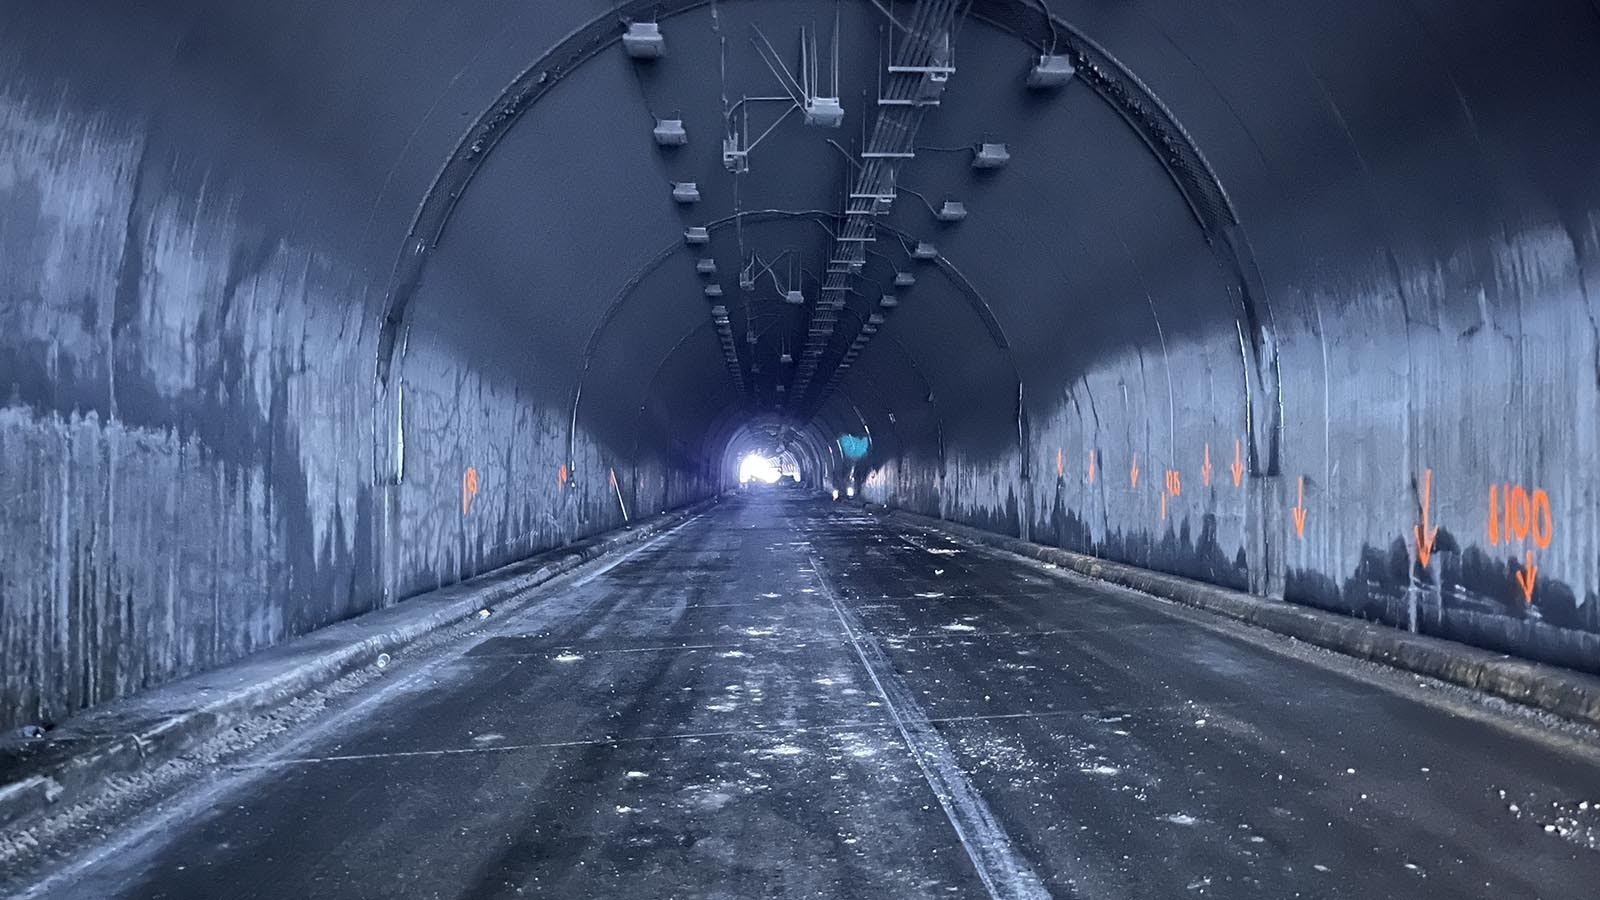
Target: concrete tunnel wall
305, 309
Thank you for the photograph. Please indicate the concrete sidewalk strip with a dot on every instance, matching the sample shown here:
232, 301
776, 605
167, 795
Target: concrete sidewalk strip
141, 732
1564, 692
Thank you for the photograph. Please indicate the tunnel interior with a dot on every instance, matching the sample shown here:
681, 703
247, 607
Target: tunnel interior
305, 311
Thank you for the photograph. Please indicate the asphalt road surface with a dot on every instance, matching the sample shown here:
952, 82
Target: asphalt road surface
789, 698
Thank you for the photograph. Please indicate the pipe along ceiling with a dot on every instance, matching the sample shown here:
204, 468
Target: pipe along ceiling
304, 310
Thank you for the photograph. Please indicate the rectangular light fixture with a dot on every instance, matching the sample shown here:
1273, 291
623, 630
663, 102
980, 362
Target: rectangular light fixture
1052, 71
643, 40
991, 156
670, 133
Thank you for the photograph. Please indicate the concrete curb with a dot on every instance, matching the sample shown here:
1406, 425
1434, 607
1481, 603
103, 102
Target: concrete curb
1564, 692
147, 730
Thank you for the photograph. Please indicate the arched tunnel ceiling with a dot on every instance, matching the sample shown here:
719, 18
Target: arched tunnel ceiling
527, 245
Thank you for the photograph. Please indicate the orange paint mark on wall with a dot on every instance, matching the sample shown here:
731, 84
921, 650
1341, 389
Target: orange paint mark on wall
469, 489
1163, 507
1205, 468
1238, 465
1174, 483
1519, 513
1061, 464
1424, 535
1091, 467
1526, 576
1541, 516
1133, 472
1300, 511
1494, 515
1516, 514
562, 475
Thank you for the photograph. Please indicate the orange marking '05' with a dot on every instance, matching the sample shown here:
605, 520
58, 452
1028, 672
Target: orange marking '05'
1174, 482
469, 489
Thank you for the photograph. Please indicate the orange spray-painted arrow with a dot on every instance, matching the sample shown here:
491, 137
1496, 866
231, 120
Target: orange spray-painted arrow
1238, 466
1133, 471
1205, 468
1424, 534
1300, 511
1526, 577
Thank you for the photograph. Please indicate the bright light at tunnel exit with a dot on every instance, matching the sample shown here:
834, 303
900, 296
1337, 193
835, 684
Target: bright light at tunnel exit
759, 468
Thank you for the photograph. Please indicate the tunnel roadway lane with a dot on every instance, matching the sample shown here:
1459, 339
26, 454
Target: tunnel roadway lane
787, 698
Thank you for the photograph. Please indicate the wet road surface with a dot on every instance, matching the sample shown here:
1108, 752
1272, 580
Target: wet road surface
788, 698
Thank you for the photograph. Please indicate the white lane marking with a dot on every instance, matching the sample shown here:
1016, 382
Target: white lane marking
1003, 870
635, 551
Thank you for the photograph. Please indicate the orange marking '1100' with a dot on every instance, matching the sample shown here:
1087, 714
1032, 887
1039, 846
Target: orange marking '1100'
1516, 515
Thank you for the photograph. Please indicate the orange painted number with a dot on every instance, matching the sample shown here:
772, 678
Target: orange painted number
1515, 514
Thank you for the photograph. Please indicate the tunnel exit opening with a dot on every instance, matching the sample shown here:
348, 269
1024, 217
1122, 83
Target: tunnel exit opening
760, 467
